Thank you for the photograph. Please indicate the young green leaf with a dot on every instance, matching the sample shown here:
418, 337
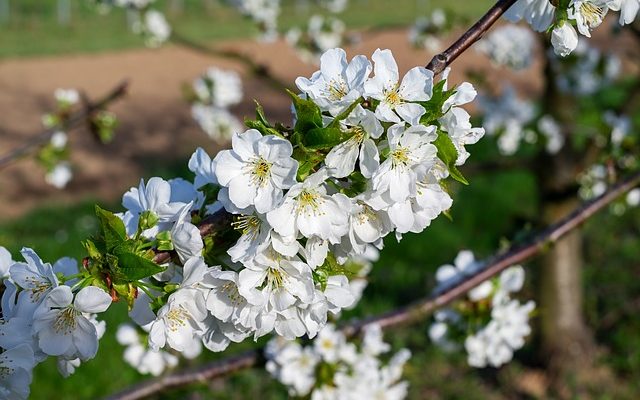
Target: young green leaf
448, 154
132, 266
111, 227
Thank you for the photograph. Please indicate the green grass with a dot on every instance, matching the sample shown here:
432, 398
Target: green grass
33, 29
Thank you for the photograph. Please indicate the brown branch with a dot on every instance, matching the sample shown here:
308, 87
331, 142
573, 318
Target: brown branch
75, 119
404, 315
441, 61
259, 70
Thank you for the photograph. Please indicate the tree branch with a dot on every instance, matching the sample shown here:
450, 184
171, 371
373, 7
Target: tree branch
441, 61
74, 119
260, 70
404, 315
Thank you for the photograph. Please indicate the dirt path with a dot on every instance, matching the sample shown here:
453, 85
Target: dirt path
156, 127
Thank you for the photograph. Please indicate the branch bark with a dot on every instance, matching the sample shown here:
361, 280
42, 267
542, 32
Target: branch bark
404, 315
74, 120
441, 61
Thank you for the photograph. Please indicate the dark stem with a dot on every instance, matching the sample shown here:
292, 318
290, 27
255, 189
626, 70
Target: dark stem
441, 61
414, 312
75, 119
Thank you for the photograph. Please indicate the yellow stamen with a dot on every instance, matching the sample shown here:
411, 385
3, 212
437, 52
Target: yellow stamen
66, 321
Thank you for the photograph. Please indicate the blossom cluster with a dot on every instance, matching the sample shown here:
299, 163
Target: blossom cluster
586, 71
363, 159
46, 311
509, 45
489, 322
425, 32
320, 34
54, 156
514, 121
146, 20
212, 94
331, 367
264, 13
273, 235
564, 17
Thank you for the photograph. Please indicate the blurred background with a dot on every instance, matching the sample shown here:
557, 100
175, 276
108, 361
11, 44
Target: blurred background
584, 345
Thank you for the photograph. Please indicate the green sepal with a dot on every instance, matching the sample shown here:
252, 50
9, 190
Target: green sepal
448, 154
127, 291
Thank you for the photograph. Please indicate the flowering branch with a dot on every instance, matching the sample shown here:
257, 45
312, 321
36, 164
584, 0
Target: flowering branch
259, 70
441, 61
405, 315
73, 120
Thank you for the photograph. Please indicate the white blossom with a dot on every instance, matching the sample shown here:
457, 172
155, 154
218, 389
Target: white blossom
61, 327
397, 99
141, 357
509, 45
308, 209
16, 365
564, 38
538, 13
218, 87
60, 175
337, 84
218, 123
256, 170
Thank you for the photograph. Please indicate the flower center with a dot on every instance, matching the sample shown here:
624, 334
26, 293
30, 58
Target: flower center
365, 214
38, 287
592, 14
392, 96
336, 89
65, 321
247, 225
309, 201
231, 291
260, 171
275, 278
177, 318
358, 134
400, 157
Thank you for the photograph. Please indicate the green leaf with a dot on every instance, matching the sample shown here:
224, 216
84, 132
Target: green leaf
324, 138
343, 115
307, 162
260, 123
112, 228
308, 114
132, 266
434, 105
92, 249
448, 154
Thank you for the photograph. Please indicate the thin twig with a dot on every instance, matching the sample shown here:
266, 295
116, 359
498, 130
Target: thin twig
404, 315
260, 70
72, 121
441, 61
